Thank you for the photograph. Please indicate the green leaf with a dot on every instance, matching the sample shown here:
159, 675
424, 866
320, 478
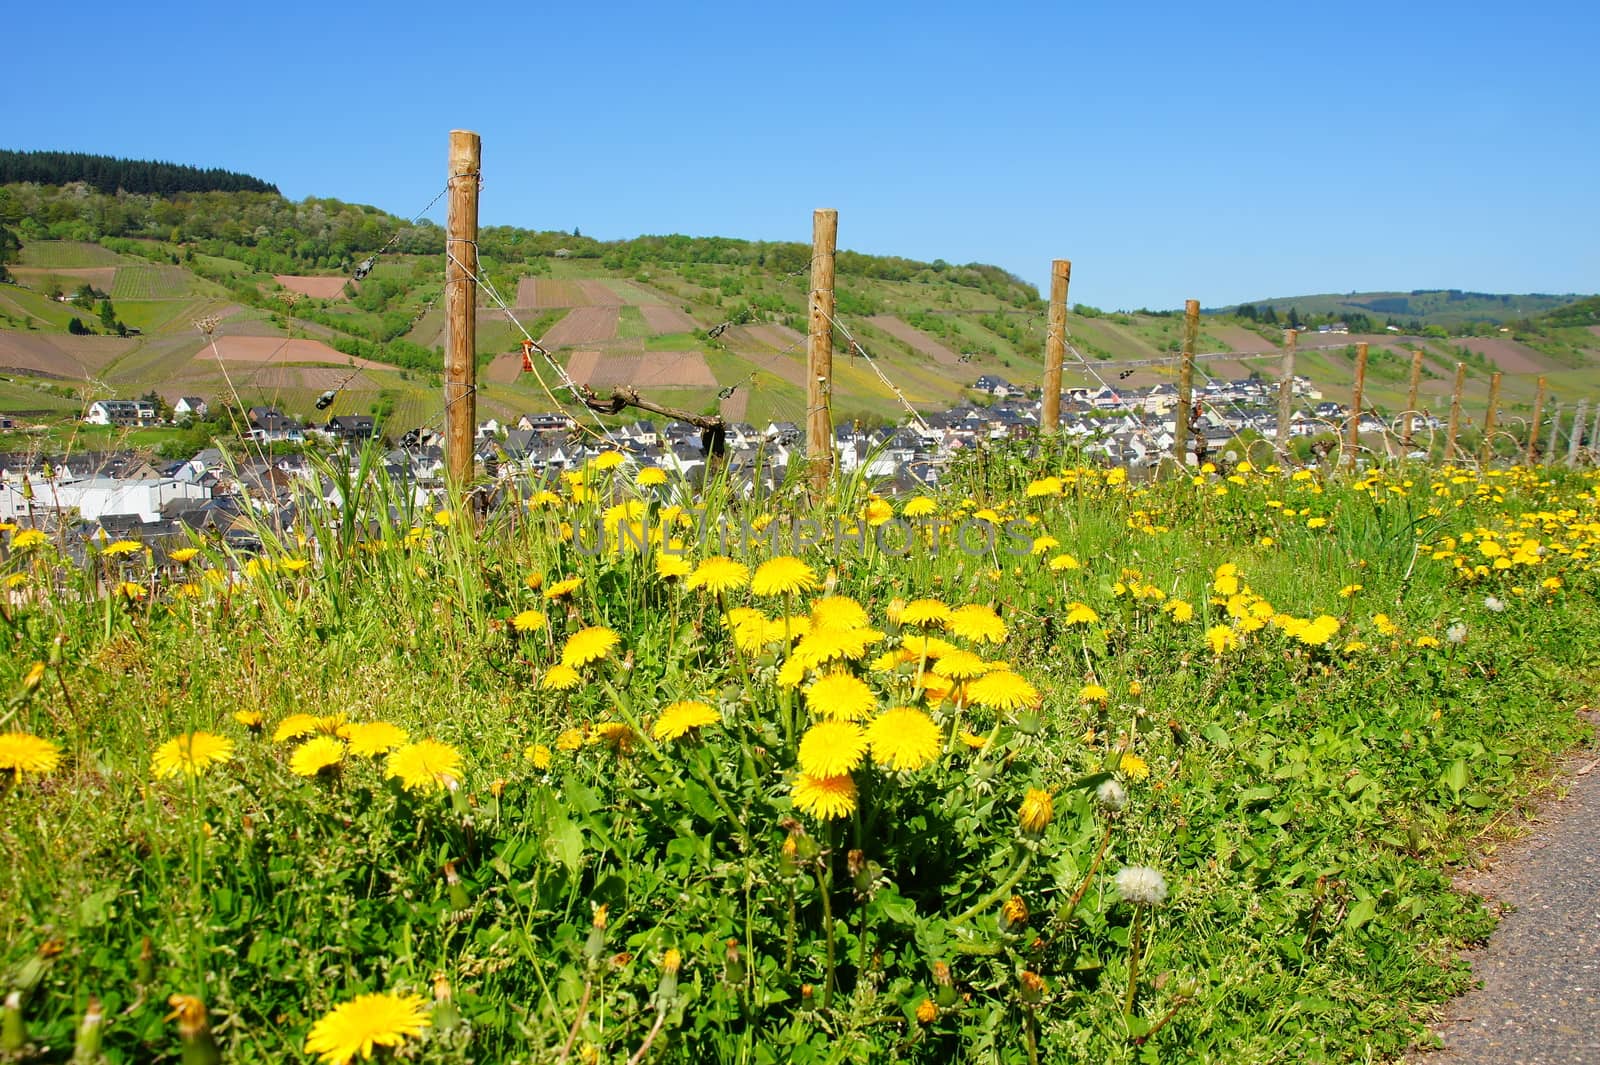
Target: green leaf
1455, 777
1361, 913
1217, 736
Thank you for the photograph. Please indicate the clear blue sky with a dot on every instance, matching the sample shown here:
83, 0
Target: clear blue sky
1221, 152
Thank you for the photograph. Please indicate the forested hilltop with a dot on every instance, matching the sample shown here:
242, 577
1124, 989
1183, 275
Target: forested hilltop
111, 174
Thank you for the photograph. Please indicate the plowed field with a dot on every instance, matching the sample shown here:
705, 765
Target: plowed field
663, 320
584, 325
658, 369
319, 288
919, 341
266, 349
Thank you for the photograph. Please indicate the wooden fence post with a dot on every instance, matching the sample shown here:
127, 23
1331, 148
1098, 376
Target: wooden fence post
819, 350
1455, 413
1407, 434
1055, 345
1181, 424
1486, 451
1555, 435
461, 307
1576, 440
1286, 391
1533, 430
1353, 442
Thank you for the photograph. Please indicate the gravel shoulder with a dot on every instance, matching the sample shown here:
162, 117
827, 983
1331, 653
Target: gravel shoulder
1539, 1003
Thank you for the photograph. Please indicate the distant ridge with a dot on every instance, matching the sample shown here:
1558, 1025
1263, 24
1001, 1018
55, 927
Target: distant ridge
1424, 306
109, 174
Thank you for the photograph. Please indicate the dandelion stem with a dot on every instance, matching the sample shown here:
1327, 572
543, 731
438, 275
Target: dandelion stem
577, 1021
1133, 958
825, 860
1083, 886
1030, 1033
1182, 1001
1000, 892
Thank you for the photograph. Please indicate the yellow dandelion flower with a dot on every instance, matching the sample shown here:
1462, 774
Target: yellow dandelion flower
838, 612
978, 623
607, 460
719, 574
22, 753
672, 567
614, 734
123, 547
528, 621
824, 644
929, 647
1080, 614
904, 739
840, 696
924, 613
651, 476
563, 588
539, 755
680, 718
27, 539
1221, 639
426, 765
961, 665
1041, 544
184, 554
191, 754
569, 740
1003, 690
352, 1030
1132, 766
1318, 632
974, 741
832, 748
560, 678
927, 1011
1093, 693
250, 719
1182, 610
1349, 590
588, 645
1064, 562
935, 689
315, 755
919, 507
1427, 641
877, 512
1036, 812
1385, 626
825, 798
1316, 523
372, 738
784, 575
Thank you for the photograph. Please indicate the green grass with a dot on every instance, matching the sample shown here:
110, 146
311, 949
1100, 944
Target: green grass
631, 323
152, 282
1304, 787
67, 255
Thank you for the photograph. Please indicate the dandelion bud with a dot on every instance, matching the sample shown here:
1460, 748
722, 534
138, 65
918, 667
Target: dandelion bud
1033, 987
944, 987
927, 1012
446, 1014
1029, 723
144, 968
733, 967
13, 1029
788, 857
1187, 987
199, 1045
597, 935
458, 893
1111, 797
667, 989
34, 677
1037, 810
86, 1047
1014, 914
808, 998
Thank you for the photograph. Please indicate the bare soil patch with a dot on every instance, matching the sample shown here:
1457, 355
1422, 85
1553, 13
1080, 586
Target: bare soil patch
67, 357
253, 350
318, 288
1237, 337
584, 325
543, 293
776, 337
920, 342
663, 320
656, 369
599, 294
36, 277
1508, 355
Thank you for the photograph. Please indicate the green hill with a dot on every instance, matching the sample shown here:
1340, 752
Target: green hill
704, 323
1418, 309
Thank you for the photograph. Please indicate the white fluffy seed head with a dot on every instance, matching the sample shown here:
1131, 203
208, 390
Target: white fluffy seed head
1140, 884
1111, 796
1456, 633
1493, 605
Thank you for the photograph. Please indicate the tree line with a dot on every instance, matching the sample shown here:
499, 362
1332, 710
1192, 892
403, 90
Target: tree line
110, 174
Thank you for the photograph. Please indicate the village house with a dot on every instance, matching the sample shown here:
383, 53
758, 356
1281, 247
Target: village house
121, 412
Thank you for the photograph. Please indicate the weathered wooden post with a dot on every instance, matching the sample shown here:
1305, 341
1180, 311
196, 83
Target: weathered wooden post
1455, 413
1353, 438
1555, 434
1486, 451
1576, 440
1286, 391
461, 307
819, 349
1180, 437
1055, 345
1533, 430
1408, 431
